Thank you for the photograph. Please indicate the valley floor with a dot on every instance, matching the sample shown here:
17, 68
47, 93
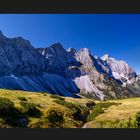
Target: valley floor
53, 111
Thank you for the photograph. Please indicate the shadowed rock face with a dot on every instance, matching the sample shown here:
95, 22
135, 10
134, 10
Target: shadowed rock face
22, 67
18, 57
58, 59
50, 83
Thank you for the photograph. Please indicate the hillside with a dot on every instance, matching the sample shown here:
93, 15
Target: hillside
120, 116
41, 106
42, 110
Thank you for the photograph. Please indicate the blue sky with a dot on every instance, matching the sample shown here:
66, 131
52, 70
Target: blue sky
115, 34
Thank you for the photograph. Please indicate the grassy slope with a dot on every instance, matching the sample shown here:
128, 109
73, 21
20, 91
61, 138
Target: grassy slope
43, 99
116, 114
112, 117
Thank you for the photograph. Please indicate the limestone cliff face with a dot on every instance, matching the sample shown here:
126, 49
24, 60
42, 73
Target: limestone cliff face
92, 75
120, 69
19, 57
58, 59
65, 72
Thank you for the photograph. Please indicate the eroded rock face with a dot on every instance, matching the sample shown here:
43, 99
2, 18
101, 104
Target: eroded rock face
84, 57
120, 69
88, 60
55, 70
72, 51
58, 58
92, 75
19, 57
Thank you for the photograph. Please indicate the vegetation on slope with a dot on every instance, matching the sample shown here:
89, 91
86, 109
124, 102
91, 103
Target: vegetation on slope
42, 110
118, 116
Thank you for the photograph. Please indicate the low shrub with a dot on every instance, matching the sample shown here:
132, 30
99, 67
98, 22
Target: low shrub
131, 123
5, 104
56, 96
95, 112
78, 112
22, 98
105, 105
138, 119
98, 109
30, 109
84, 111
54, 118
90, 104
64, 103
9, 113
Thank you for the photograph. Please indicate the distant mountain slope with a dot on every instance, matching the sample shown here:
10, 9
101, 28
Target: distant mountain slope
65, 72
57, 58
120, 69
91, 74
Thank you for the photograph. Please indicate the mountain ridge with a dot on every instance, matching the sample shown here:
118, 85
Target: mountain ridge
58, 71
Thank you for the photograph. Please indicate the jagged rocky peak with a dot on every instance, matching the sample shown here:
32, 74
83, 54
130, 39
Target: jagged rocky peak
16, 40
55, 49
88, 60
2, 37
57, 45
71, 51
107, 57
1, 34
58, 58
19, 57
86, 51
120, 69
22, 42
84, 56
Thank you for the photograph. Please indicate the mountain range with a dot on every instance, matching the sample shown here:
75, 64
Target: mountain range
69, 72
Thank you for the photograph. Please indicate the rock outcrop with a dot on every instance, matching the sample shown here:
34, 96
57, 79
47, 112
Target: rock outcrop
19, 57
120, 70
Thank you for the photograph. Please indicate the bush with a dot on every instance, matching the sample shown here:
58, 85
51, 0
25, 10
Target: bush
30, 109
56, 96
22, 98
54, 118
131, 123
64, 103
98, 109
9, 113
105, 105
5, 104
90, 104
138, 119
79, 112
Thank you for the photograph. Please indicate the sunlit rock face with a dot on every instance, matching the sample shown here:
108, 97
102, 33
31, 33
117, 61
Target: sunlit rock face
120, 69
